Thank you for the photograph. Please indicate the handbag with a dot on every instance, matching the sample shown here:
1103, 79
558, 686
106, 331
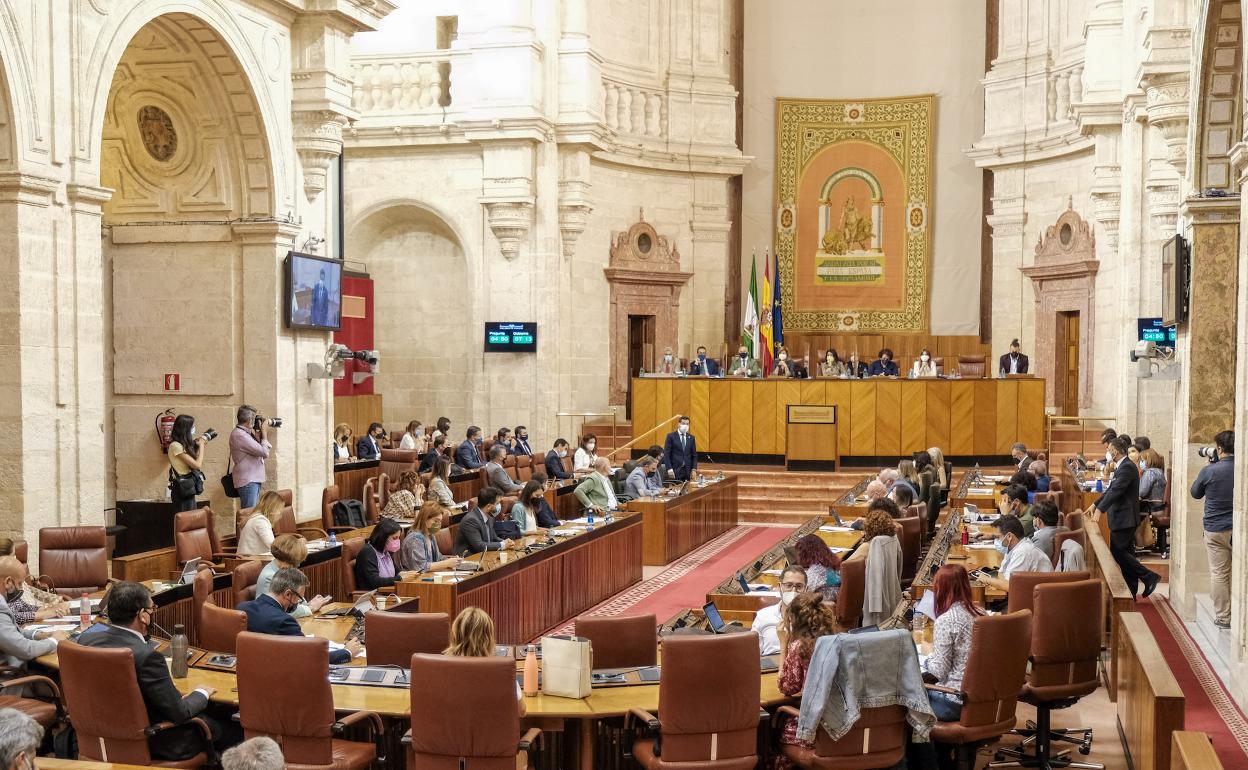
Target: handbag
567, 662
1144, 534
227, 481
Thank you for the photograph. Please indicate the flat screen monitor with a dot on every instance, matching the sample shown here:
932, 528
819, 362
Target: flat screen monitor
1152, 330
313, 292
1175, 263
510, 337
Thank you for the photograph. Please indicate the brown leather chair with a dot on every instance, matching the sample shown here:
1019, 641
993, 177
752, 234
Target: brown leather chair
46, 713
350, 550
1023, 585
395, 461
623, 641
1061, 538
283, 694
995, 671
877, 739
690, 734
287, 525
381, 485
1065, 651
524, 468
219, 627
371, 510
21, 550
939, 362
74, 560
193, 536
852, 594
330, 495
446, 539
244, 582
911, 543
394, 637
201, 593
1074, 521
479, 728
972, 367
103, 699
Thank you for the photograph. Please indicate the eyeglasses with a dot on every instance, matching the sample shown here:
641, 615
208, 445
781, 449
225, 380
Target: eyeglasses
793, 586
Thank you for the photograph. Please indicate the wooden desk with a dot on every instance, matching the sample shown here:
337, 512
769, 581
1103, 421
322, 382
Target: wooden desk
875, 418
529, 594
1190, 750
981, 493
1150, 703
1075, 496
350, 477
853, 504
674, 526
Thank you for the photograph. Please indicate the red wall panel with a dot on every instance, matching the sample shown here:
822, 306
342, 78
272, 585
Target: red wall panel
356, 333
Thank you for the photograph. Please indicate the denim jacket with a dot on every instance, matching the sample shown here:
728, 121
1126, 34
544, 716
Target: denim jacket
852, 672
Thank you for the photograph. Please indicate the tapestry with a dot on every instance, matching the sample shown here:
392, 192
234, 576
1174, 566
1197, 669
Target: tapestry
853, 207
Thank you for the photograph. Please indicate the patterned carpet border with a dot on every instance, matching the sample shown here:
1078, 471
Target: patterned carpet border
1222, 702
678, 569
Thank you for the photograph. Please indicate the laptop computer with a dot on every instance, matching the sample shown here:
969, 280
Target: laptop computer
366, 603
188, 571
836, 517
790, 555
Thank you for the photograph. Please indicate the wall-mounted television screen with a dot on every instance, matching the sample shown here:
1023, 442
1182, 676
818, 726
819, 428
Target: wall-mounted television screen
313, 292
1152, 330
1175, 267
510, 337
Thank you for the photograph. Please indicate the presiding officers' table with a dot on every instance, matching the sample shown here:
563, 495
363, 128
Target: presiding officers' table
673, 525
529, 593
877, 417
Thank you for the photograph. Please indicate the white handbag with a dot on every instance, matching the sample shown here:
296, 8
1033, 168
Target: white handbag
567, 662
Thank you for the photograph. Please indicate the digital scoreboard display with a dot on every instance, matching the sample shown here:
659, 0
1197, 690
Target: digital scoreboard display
1151, 330
510, 337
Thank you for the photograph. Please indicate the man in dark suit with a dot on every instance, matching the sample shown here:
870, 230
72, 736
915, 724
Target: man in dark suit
703, 366
130, 612
1013, 362
1021, 458
680, 450
476, 530
554, 460
522, 442
368, 447
436, 450
320, 302
1121, 503
270, 613
467, 455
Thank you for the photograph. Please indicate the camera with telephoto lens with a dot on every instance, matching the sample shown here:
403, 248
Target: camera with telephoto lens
210, 434
273, 422
1210, 453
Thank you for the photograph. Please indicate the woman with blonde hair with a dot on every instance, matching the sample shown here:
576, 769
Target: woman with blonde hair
255, 529
907, 473
288, 551
1152, 482
472, 636
405, 501
342, 443
938, 463
420, 551
414, 438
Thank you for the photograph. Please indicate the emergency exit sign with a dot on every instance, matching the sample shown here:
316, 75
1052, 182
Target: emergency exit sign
173, 382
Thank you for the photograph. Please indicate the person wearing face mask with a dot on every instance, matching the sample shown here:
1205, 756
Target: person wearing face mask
496, 475
924, 367
766, 620
1013, 502
681, 451
596, 492
1121, 503
884, 365
270, 612
505, 439
20, 736
583, 460
375, 566
1018, 554
130, 612
186, 458
745, 365
855, 368
19, 645
437, 450
832, 365
702, 366
476, 530
288, 551
546, 518
521, 446
640, 482
670, 364
783, 366
554, 460
369, 445
414, 438
468, 454
1013, 362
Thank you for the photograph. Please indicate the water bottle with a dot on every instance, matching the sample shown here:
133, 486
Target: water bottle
178, 649
975, 473
333, 539
1100, 485
589, 518
530, 672
84, 611
641, 371
966, 535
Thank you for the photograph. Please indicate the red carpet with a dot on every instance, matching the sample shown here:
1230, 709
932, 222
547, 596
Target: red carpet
1210, 708
685, 582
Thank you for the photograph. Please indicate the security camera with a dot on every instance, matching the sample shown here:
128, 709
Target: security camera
1144, 349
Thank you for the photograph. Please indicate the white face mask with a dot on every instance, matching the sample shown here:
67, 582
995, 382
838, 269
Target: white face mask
784, 356
667, 357
684, 428
562, 453
590, 446
925, 358
787, 597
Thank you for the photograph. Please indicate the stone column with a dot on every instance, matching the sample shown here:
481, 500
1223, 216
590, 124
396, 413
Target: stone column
1205, 403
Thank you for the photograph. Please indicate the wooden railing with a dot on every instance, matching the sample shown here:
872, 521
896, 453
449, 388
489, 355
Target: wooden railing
636, 439
1117, 595
1150, 702
1065, 419
1191, 750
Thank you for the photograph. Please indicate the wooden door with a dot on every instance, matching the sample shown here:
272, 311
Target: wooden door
1066, 383
641, 331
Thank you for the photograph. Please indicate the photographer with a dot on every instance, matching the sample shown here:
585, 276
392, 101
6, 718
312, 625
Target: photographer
186, 462
1216, 485
249, 446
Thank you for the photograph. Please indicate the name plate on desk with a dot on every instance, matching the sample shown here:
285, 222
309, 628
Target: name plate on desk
811, 415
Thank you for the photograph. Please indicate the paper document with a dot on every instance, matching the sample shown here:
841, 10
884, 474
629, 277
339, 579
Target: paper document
561, 532
830, 528
979, 491
981, 546
927, 605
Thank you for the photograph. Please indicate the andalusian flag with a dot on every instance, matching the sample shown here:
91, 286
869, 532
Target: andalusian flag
764, 324
777, 326
749, 323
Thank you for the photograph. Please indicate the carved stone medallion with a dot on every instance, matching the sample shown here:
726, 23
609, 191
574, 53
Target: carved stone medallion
159, 136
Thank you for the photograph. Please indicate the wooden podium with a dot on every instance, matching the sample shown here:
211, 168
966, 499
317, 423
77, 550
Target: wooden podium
810, 438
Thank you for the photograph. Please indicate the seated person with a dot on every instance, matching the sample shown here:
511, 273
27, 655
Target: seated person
1013, 502
524, 511
440, 483
1027, 481
414, 439
783, 367
1039, 470
903, 495
884, 366
506, 439
808, 617
596, 492
876, 490
522, 442
925, 366
130, 612
376, 565
832, 365
660, 473
951, 640
436, 449
640, 482
1020, 554
855, 368
270, 612
583, 459
744, 365
1019, 453
468, 454
472, 636
419, 552
1013, 362
546, 517
288, 551
670, 364
342, 443
407, 497
369, 445
882, 590
495, 475
823, 568
476, 529
1045, 517
703, 366
554, 460
766, 620
20, 645
33, 603
255, 532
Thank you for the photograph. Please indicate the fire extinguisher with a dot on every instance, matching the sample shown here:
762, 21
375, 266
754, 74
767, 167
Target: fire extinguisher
164, 428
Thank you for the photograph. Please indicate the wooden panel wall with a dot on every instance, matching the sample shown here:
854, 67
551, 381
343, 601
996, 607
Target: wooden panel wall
358, 412
876, 418
905, 347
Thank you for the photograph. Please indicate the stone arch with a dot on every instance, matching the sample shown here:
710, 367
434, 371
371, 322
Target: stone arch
421, 275
1218, 105
18, 111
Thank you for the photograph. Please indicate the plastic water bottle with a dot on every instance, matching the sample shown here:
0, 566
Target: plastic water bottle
1100, 485
589, 518
178, 649
530, 672
84, 611
333, 539
975, 474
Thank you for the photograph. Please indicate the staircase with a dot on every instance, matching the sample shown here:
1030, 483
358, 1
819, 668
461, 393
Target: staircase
774, 496
602, 430
1066, 442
